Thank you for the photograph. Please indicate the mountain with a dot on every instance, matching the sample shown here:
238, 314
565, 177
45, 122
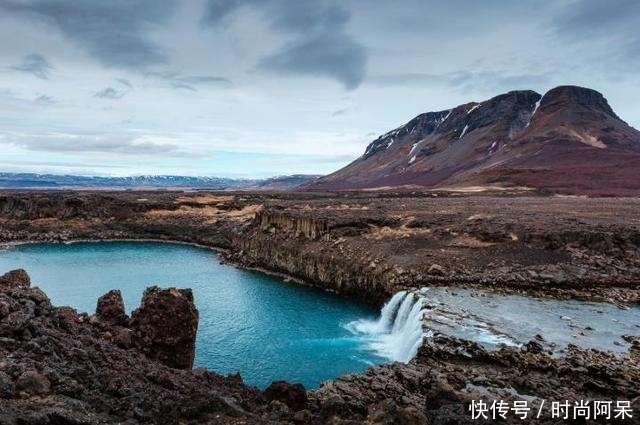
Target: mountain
53, 181
567, 141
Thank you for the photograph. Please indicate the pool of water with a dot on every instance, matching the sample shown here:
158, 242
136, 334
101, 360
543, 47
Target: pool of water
250, 323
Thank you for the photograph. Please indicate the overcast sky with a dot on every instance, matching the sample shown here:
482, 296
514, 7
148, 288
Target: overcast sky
254, 88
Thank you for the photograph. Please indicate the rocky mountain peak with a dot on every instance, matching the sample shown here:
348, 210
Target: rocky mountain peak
420, 126
568, 140
567, 96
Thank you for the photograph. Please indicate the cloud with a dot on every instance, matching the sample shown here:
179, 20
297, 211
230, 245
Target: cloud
495, 80
182, 86
216, 11
203, 79
585, 17
465, 81
610, 30
286, 15
330, 159
307, 16
109, 93
125, 82
339, 112
34, 64
94, 143
407, 79
45, 99
319, 44
187, 82
114, 31
71, 165
335, 56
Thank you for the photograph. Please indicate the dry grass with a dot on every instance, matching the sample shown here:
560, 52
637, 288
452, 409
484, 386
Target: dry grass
208, 212
467, 241
386, 232
245, 213
184, 210
206, 199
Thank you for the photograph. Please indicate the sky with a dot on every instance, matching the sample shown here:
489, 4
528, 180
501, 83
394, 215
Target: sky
257, 88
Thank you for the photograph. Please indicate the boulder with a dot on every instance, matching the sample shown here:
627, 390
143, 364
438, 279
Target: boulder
164, 327
32, 383
436, 270
293, 395
110, 308
7, 387
534, 347
15, 279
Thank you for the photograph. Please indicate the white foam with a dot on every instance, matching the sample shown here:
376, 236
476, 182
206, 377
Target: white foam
399, 332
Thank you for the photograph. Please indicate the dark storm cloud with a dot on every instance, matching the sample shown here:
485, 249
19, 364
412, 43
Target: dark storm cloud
113, 31
320, 44
34, 64
109, 93
330, 55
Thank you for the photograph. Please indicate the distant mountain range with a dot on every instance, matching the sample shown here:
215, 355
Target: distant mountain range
568, 141
52, 181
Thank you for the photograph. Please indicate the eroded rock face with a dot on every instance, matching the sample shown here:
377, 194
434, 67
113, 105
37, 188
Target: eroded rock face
293, 395
110, 308
15, 278
164, 327
58, 367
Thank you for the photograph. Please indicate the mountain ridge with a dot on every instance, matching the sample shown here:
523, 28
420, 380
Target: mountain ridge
568, 140
53, 181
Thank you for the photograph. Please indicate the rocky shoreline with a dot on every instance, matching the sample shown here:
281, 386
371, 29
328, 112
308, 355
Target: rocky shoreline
367, 246
61, 367
364, 246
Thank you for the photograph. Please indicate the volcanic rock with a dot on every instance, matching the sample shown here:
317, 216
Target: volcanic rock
110, 308
7, 386
15, 278
32, 383
164, 327
68, 373
293, 395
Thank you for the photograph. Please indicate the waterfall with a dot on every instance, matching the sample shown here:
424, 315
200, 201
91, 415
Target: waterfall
399, 331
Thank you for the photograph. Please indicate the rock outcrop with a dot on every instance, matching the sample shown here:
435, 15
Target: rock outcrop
438, 386
61, 367
164, 327
110, 308
15, 278
293, 395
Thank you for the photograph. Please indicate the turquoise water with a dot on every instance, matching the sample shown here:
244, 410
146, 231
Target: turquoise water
250, 323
